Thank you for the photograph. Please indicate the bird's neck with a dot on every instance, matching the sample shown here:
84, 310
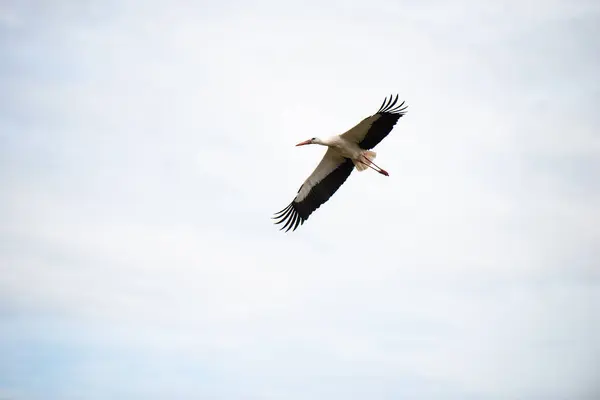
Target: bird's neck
326, 141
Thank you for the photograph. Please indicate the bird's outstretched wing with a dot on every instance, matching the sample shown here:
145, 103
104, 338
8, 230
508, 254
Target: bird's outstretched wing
372, 130
326, 179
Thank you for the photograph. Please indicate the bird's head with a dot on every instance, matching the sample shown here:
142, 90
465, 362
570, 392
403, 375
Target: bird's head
310, 141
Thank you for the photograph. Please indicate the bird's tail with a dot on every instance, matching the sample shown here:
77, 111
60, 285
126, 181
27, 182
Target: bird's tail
366, 157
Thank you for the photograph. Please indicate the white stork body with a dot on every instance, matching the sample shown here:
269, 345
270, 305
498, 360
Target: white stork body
344, 147
345, 152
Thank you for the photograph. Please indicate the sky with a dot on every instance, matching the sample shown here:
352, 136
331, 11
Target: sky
145, 145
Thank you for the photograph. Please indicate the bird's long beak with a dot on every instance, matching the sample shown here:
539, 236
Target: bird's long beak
303, 143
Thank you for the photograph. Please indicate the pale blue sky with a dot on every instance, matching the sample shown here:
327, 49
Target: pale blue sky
144, 146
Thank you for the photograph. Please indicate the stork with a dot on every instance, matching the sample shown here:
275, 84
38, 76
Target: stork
345, 152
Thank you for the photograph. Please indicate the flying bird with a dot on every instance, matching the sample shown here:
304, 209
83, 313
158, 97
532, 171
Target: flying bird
345, 152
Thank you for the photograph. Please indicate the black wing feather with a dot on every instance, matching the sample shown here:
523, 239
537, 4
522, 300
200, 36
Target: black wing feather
297, 212
389, 114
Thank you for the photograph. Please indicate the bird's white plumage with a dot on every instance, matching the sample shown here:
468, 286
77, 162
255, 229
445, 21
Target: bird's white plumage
331, 160
358, 132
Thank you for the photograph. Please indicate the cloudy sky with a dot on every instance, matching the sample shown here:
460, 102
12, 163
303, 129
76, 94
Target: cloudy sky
144, 146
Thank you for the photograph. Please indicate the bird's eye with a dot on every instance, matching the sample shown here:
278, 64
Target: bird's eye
314, 138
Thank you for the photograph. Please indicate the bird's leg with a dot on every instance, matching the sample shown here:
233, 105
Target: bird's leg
368, 164
371, 161
379, 169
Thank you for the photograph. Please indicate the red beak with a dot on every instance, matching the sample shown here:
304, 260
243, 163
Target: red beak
303, 143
